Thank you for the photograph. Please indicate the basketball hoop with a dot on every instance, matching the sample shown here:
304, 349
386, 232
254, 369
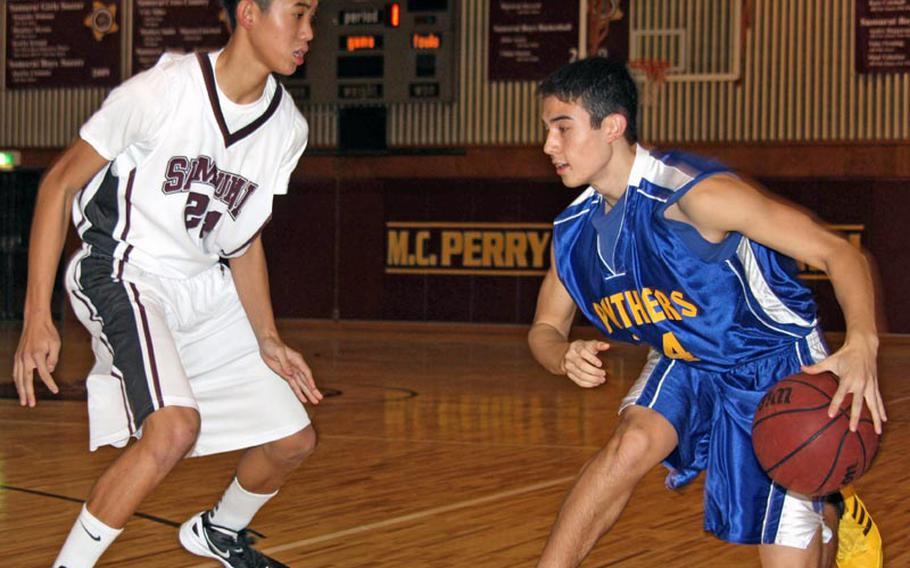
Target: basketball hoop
652, 73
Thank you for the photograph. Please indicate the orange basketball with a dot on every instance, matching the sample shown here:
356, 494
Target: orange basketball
801, 447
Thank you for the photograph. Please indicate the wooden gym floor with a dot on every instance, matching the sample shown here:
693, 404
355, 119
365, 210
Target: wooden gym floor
443, 446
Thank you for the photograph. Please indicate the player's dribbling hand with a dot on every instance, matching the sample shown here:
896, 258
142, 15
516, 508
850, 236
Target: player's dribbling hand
39, 349
582, 364
291, 367
855, 366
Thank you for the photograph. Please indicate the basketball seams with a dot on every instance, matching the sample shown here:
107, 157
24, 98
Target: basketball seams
810, 385
788, 411
834, 462
811, 439
862, 446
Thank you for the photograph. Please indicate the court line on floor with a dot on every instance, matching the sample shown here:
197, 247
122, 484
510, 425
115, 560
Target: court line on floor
141, 515
897, 400
459, 442
418, 515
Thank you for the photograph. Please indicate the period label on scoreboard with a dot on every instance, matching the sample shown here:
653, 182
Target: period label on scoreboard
380, 52
62, 44
479, 249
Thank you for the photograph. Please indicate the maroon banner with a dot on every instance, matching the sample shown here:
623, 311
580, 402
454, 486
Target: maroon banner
176, 25
62, 44
530, 40
608, 29
882, 36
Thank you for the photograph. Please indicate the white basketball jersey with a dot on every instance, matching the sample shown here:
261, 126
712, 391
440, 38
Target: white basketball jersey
192, 174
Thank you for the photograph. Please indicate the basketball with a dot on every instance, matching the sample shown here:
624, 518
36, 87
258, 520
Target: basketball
800, 446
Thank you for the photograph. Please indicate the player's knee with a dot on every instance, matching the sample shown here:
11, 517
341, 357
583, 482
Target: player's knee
294, 449
628, 451
171, 432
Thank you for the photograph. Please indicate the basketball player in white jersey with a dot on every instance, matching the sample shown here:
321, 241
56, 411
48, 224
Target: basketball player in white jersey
176, 171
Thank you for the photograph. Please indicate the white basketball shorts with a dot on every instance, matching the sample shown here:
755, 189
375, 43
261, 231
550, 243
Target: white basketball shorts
175, 342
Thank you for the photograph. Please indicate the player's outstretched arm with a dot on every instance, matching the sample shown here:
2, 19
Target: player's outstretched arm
722, 204
251, 279
39, 345
548, 337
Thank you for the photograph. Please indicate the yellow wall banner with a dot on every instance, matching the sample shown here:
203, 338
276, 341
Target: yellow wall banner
498, 249
476, 249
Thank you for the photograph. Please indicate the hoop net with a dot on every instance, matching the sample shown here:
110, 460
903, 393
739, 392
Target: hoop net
653, 74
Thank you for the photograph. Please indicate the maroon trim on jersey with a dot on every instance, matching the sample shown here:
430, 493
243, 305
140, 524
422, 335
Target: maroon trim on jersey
129, 204
251, 239
148, 341
208, 74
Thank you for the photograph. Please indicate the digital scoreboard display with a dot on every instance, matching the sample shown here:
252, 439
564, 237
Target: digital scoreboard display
372, 52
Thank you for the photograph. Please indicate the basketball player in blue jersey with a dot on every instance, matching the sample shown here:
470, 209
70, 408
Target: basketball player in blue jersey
677, 252
175, 172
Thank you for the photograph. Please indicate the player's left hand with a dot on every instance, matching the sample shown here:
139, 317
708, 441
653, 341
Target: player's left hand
291, 366
855, 366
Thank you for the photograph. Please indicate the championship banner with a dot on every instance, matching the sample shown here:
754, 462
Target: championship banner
530, 40
882, 36
62, 44
472, 249
176, 25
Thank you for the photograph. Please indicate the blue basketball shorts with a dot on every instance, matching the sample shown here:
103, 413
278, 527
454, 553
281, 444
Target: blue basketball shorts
712, 414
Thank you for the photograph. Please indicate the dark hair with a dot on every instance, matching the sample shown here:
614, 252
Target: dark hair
230, 6
601, 86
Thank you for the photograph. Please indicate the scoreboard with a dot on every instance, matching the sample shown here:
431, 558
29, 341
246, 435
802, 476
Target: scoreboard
369, 52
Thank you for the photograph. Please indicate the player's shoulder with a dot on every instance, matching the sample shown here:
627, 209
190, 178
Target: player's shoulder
291, 115
667, 176
164, 75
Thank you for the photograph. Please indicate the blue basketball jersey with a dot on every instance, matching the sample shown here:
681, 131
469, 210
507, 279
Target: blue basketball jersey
640, 277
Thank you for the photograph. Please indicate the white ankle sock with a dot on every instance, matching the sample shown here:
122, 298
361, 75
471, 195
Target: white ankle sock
238, 507
87, 540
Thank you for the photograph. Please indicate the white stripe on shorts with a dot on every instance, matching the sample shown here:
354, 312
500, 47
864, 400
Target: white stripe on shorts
799, 521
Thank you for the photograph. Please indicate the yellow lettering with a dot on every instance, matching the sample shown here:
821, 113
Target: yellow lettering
617, 301
638, 311
471, 248
674, 349
539, 241
493, 249
668, 308
651, 306
452, 244
516, 249
605, 313
398, 248
420, 243
689, 309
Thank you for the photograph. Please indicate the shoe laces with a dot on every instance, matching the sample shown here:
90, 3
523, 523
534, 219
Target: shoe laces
240, 543
246, 538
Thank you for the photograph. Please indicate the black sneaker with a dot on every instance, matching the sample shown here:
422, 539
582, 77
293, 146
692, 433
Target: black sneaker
233, 549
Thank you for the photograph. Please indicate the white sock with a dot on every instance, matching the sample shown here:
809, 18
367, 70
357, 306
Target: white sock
87, 540
238, 507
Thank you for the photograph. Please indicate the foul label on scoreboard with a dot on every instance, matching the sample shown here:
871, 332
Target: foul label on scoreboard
480, 249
